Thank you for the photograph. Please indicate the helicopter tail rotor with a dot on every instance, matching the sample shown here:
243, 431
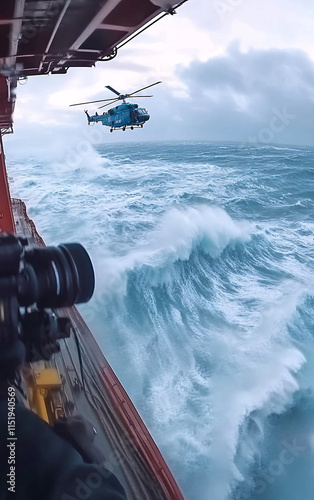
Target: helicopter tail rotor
88, 116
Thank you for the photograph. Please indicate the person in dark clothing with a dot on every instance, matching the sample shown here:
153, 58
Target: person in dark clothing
37, 464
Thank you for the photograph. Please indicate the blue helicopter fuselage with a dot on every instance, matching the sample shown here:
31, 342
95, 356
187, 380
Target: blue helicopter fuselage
121, 116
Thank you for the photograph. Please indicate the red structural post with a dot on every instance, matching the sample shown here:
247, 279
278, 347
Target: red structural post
6, 215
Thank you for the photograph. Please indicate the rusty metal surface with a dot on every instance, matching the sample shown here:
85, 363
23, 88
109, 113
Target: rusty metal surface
6, 217
49, 37
24, 225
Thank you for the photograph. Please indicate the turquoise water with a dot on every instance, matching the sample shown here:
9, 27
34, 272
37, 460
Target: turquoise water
204, 301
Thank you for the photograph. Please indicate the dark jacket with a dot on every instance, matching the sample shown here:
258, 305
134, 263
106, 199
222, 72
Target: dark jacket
39, 465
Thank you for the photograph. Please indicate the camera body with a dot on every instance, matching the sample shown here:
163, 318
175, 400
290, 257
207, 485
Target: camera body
38, 279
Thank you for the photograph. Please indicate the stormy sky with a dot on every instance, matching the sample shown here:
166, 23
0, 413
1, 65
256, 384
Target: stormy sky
232, 70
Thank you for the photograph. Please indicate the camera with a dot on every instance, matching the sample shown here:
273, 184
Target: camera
37, 279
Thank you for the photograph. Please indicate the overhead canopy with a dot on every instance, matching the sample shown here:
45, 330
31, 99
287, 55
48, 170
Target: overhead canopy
49, 36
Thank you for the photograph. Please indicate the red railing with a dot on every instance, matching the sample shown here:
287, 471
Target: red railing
6, 216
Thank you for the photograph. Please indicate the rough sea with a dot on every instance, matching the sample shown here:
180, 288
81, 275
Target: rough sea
204, 303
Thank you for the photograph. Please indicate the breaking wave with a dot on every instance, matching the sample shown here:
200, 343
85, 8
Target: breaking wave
204, 301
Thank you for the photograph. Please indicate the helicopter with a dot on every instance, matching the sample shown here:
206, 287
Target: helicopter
123, 116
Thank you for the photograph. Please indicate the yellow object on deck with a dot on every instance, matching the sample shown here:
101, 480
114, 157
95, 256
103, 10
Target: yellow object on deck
40, 404
48, 378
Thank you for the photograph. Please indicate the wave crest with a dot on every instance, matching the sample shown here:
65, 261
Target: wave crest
211, 228
179, 233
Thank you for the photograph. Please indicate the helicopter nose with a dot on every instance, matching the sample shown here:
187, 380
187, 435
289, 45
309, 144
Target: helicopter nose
145, 117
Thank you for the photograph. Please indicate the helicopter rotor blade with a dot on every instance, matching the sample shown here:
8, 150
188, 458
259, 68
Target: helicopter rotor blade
108, 103
136, 96
139, 90
120, 96
115, 100
113, 90
89, 102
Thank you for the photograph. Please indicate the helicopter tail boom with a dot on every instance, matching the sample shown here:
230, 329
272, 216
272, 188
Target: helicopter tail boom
94, 118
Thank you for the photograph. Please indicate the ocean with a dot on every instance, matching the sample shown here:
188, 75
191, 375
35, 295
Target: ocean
203, 255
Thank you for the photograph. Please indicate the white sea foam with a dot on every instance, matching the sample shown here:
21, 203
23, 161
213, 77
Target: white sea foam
255, 373
208, 342
180, 231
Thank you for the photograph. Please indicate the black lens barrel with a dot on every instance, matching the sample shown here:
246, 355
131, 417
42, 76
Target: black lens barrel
84, 268
64, 276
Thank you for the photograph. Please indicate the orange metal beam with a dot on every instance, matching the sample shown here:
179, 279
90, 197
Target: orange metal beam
6, 216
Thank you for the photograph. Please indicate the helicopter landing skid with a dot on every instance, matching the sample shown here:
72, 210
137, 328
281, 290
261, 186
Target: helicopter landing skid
131, 127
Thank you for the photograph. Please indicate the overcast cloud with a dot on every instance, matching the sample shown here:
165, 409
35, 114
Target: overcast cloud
263, 94
232, 70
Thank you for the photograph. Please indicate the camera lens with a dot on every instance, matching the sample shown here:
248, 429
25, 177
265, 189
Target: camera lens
64, 276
